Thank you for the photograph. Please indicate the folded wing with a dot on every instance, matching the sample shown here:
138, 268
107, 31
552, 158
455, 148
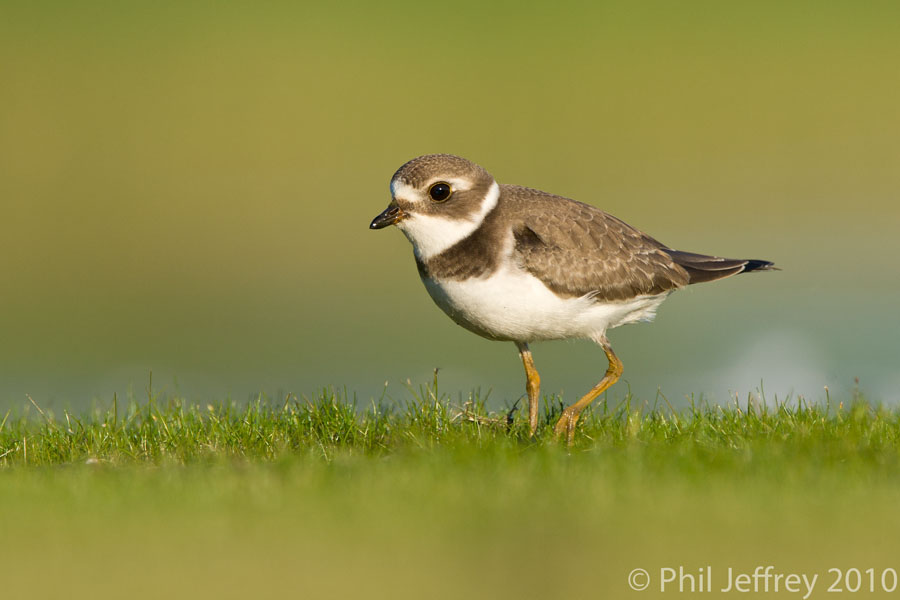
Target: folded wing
578, 250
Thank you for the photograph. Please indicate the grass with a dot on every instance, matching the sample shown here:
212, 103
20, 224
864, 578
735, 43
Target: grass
173, 430
436, 497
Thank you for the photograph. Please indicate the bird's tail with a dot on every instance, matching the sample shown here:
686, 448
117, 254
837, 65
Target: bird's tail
701, 267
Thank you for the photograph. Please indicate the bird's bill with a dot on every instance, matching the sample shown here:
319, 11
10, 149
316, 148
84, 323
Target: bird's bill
391, 215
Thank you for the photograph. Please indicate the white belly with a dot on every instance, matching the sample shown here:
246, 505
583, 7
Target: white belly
514, 305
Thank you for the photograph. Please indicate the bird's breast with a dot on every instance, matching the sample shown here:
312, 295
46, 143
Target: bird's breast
509, 305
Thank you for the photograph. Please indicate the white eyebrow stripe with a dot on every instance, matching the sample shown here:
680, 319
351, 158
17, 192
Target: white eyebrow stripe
409, 193
462, 185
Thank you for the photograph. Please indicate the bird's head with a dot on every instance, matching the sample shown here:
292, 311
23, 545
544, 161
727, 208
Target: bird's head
437, 201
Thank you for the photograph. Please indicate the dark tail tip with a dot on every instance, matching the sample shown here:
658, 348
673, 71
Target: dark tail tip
759, 265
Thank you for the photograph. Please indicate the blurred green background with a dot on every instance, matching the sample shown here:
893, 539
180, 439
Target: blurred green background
186, 187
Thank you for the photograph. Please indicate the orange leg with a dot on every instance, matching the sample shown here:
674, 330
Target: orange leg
532, 386
569, 417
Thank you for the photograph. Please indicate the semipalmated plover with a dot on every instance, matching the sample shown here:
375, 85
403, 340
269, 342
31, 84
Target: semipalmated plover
517, 264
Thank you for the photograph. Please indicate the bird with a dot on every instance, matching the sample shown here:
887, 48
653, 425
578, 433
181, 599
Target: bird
516, 264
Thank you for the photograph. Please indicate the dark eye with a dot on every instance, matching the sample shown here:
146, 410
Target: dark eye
440, 191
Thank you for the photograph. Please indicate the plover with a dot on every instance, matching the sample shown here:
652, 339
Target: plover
517, 264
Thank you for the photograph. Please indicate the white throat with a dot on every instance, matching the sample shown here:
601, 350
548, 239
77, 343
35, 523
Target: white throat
432, 235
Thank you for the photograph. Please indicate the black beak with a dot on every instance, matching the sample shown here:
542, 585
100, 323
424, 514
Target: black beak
391, 215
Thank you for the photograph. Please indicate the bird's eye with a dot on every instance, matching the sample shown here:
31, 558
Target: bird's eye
440, 191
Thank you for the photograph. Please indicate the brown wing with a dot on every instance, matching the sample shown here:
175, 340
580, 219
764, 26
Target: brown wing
577, 249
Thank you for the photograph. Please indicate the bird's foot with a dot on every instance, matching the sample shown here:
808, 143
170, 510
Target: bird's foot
566, 425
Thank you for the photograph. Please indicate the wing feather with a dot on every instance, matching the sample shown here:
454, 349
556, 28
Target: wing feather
579, 250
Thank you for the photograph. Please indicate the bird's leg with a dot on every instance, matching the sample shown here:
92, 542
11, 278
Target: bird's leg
569, 417
532, 386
